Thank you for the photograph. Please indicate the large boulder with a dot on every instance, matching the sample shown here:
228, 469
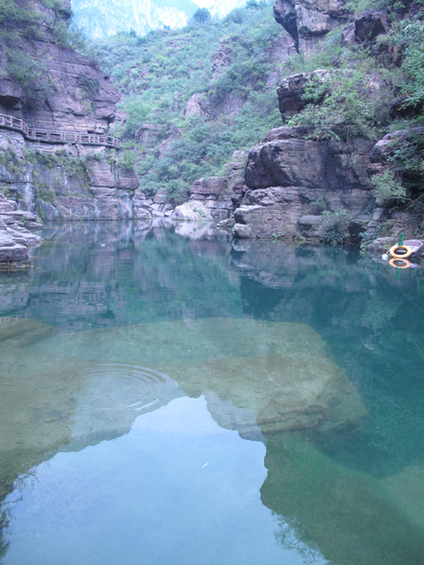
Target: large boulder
291, 91
285, 159
192, 211
383, 152
211, 186
289, 178
366, 27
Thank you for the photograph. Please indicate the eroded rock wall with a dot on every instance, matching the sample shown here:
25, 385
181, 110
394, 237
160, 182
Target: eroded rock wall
17, 235
65, 93
308, 22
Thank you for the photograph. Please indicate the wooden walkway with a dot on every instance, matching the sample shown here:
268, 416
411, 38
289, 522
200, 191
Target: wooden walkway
54, 136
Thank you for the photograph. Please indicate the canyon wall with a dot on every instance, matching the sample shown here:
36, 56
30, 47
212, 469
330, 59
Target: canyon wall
299, 182
57, 158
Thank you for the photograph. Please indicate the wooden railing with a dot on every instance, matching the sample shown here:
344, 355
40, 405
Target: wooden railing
54, 136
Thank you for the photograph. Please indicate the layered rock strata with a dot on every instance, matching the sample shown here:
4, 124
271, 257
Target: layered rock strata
16, 234
68, 94
221, 195
291, 180
80, 97
68, 183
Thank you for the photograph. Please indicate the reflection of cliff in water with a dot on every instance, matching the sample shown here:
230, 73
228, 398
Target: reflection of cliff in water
371, 318
348, 516
131, 318
71, 390
107, 274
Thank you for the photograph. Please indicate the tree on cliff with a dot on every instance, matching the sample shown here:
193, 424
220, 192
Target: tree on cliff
202, 16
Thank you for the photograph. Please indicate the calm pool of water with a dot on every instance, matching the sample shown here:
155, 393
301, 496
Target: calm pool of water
168, 396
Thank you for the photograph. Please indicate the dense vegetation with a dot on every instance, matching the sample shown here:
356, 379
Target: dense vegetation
157, 75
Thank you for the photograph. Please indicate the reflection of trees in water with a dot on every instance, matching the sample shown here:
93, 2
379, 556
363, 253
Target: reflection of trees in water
360, 308
103, 276
3, 544
374, 325
15, 466
286, 536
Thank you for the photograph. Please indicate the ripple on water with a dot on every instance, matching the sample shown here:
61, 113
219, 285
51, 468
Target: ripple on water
114, 395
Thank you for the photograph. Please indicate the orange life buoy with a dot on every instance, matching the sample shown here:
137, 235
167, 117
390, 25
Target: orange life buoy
399, 263
400, 251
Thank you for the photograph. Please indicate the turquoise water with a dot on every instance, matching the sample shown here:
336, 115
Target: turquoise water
170, 396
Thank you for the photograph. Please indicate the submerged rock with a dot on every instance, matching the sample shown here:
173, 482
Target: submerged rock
281, 373
338, 514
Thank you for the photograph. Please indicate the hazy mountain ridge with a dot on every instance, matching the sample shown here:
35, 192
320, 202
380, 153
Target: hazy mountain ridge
102, 18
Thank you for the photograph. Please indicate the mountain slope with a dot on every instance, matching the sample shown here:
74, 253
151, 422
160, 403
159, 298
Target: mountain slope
102, 18
194, 96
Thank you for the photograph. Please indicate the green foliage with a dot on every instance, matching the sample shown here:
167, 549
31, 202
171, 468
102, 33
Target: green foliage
392, 6
10, 160
46, 194
158, 74
335, 227
258, 115
236, 16
386, 186
202, 16
343, 105
410, 37
17, 13
127, 160
76, 167
79, 167
409, 155
326, 56
30, 71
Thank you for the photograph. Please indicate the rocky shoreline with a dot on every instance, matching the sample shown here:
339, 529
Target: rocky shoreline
17, 235
291, 185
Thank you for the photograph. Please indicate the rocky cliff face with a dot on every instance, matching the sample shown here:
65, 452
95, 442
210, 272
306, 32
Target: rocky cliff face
288, 181
16, 234
308, 22
64, 90
55, 94
297, 183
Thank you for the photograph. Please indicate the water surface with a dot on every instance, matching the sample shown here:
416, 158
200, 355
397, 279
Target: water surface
170, 396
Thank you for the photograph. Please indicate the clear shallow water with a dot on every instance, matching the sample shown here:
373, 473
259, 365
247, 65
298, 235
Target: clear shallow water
171, 398
176, 489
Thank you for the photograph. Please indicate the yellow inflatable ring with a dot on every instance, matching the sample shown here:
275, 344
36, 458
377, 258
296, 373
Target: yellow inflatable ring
400, 251
399, 263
